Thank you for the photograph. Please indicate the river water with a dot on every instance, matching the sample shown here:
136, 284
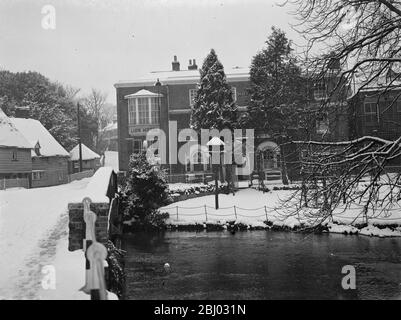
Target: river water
260, 265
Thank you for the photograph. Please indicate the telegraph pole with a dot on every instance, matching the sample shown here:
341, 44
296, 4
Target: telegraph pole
79, 139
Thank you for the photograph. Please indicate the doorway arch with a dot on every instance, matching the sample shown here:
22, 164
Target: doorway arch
268, 156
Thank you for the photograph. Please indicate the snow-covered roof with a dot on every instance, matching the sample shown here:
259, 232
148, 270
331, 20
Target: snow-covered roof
143, 94
87, 154
111, 126
10, 136
365, 83
35, 132
181, 77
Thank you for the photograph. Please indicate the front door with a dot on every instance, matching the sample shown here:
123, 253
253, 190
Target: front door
268, 160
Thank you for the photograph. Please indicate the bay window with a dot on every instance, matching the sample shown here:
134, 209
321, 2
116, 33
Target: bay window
143, 110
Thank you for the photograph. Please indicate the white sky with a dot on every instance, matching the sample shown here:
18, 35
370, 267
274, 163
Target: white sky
98, 42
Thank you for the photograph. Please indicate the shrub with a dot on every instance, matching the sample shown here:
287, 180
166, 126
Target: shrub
116, 274
144, 190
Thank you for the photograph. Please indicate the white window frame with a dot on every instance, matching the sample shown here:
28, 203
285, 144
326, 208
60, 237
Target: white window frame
140, 143
155, 103
37, 175
192, 95
133, 109
370, 104
373, 106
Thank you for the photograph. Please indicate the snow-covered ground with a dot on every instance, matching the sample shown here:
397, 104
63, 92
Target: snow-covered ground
253, 207
33, 234
34, 230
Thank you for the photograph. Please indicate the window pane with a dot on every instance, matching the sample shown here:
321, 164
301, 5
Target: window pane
398, 106
320, 91
143, 110
155, 112
137, 146
131, 111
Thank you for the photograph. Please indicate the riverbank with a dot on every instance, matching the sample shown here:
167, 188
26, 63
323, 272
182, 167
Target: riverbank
250, 209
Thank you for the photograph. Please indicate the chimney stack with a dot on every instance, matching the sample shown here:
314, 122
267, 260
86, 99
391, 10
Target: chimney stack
192, 65
175, 64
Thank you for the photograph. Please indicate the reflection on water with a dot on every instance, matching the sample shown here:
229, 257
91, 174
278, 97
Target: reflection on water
260, 265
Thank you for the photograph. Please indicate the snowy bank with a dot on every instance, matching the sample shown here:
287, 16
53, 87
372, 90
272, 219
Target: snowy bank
256, 209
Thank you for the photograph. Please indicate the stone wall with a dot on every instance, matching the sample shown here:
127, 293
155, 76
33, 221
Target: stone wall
77, 224
101, 190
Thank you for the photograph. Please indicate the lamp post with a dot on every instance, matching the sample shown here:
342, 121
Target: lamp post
216, 142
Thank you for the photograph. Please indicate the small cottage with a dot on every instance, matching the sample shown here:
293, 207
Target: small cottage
49, 158
15, 156
90, 159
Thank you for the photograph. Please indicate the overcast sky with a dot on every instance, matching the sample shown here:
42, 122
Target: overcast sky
98, 42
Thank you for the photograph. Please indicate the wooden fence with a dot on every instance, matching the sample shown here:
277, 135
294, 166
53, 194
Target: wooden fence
81, 175
14, 183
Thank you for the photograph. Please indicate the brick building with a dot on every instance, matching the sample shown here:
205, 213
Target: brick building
376, 109
159, 98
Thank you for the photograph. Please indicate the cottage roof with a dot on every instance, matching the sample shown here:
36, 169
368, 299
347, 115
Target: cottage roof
10, 136
111, 126
87, 154
35, 132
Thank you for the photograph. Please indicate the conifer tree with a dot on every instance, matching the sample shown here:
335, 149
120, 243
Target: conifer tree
276, 85
214, 105
276, 90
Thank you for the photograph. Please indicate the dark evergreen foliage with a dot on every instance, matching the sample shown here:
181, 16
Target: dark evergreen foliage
214, 105
48, 102
277, 87
145, 190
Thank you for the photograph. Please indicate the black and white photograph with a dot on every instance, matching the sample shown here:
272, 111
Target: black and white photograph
216, 151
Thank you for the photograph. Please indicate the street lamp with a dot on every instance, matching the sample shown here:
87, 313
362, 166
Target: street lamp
216, 142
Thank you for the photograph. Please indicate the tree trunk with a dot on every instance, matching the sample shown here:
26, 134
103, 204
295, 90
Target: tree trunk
284, 175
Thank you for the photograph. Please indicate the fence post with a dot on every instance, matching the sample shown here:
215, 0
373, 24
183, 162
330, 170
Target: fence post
266, 213
205, 212
235, 212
